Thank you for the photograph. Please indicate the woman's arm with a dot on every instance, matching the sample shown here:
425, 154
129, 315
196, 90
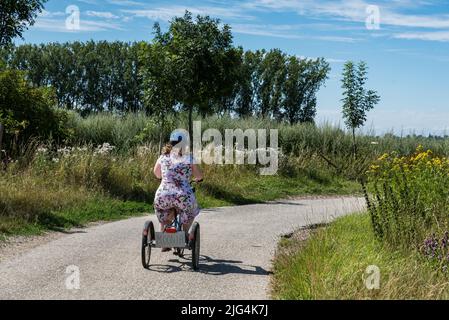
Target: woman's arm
157, 170
197, 174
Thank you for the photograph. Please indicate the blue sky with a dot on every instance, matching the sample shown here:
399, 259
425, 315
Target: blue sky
407, 54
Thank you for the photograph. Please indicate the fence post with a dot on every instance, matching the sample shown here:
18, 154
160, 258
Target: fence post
1, 140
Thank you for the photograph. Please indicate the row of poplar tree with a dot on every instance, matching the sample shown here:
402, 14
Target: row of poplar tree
194, 63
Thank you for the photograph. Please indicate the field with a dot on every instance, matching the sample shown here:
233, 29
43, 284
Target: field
101, 175
107, 163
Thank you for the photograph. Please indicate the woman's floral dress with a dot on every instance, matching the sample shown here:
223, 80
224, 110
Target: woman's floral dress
175, 190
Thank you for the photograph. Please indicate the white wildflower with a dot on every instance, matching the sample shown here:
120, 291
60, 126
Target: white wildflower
143, 151
104, 149
64, 151
40, 150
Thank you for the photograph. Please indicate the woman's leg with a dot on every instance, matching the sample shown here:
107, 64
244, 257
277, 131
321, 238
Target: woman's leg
167, 218
190, 213
186, 227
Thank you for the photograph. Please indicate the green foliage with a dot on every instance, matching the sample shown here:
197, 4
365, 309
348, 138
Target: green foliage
159, 96
324, 146
408, 198
16, 16
74, 185
193, 64
248, 83
89, 77
304, 78
332, 264
119, 131
28, 111
357, 100
198, 61
272, 77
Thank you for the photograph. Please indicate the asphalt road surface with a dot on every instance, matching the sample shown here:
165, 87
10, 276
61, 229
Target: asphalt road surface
237, 248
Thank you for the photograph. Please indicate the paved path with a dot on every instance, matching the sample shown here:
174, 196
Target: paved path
237, 247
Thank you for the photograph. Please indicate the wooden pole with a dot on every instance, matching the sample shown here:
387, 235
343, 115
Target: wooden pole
191, 129
1, 140
1, 135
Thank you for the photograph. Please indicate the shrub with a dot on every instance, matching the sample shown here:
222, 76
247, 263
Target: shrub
410, 197
29, 111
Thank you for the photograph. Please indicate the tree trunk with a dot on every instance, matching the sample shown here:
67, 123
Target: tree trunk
1, 139
160, 135
190, 129
354, 148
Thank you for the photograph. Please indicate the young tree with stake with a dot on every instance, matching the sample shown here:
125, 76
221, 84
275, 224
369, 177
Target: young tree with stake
200, 61
357, 100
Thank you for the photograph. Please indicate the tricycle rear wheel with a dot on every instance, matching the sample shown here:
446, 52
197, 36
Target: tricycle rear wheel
196, 246
147, 241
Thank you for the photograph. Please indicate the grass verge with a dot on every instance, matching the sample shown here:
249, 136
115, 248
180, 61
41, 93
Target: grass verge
31, 206
96, 209
332, 264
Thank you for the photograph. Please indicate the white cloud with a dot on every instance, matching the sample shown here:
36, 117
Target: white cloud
391, 14
94, 2
286, 31
58, 25
102, 14
278, 31
168, 12
126, 3
415, 21
50, 14
442, 36
355, 10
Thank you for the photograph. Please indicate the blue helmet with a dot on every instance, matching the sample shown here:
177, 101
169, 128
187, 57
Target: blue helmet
178, 136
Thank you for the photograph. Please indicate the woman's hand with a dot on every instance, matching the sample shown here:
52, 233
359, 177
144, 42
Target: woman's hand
197, 174
157, 170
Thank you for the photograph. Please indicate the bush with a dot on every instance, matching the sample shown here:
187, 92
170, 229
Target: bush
410, 197
28, 111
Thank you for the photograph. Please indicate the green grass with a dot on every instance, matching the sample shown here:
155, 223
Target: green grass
241, 190
332, 265
83, 185
33, 206
97, 209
